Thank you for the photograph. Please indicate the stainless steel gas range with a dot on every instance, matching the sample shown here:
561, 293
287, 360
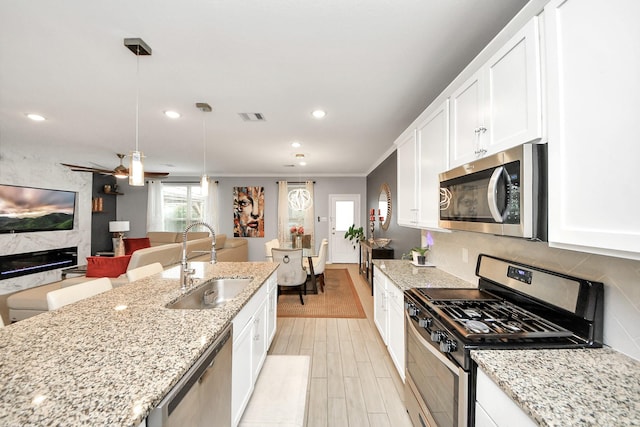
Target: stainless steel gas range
515, 306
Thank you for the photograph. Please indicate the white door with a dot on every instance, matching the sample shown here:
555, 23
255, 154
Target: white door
345, 210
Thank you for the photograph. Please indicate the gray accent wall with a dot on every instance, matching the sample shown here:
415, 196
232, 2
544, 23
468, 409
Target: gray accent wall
402, 238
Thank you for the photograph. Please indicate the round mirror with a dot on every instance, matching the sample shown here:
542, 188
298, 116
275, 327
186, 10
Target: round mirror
384, 206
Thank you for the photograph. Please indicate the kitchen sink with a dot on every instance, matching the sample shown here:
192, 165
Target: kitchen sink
211, 295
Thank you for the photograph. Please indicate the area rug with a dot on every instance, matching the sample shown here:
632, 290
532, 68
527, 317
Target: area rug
340, 299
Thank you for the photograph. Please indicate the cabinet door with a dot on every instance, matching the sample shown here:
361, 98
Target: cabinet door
396, 328
259, 344
380, 303
594, 100
466, 121
242, 371
272, 309
407, 174
433, 140
513, 88
497, 405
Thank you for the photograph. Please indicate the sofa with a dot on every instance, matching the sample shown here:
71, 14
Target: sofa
165, 248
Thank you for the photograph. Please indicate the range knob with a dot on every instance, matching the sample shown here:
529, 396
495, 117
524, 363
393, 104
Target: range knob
411, 309
448, 346
425, 322
437, 336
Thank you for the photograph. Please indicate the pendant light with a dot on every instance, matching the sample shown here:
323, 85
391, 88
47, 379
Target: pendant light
300, 198
204, 181
136, 166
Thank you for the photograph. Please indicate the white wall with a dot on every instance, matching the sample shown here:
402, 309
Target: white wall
621, 277
29, 169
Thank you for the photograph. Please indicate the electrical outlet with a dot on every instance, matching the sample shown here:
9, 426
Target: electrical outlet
465, 255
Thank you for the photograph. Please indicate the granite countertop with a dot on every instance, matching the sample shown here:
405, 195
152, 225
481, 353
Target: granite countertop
590, 387
94, 363
406, 276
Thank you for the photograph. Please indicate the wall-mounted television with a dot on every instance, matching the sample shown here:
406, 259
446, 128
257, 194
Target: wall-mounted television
28, 209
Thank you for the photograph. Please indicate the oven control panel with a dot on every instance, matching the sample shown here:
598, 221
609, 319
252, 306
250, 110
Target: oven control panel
520, 274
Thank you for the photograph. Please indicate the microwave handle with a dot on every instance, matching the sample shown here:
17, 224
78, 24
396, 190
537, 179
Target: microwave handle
491, 194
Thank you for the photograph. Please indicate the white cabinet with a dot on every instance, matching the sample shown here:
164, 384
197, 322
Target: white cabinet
594, 99
500, 106
432, 136
388, 315
272, 308
407, 180
495, 409
380, 304
395, 342
253, 330
422, 155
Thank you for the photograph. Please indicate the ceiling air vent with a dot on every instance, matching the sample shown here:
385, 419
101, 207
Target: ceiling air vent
252, 117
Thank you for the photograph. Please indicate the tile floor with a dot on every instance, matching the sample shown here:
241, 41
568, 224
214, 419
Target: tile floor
353, 380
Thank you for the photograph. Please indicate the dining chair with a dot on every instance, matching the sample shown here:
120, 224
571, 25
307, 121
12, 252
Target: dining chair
274, 243
291, 273
319, 263
144, 271
64, 296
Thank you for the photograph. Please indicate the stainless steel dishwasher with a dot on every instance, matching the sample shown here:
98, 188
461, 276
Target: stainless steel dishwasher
202, 397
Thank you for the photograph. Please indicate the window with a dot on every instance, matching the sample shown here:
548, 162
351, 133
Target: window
183, 204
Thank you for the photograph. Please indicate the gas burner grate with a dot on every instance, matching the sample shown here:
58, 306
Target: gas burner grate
495, 320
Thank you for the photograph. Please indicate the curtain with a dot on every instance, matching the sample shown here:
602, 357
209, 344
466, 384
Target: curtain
211, 207
309, 224
283, 211
155, 218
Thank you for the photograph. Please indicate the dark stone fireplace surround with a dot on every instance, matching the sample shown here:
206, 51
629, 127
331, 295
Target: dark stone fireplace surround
17, 265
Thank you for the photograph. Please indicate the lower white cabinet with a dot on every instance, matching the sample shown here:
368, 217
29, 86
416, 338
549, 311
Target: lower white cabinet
495, 409
388, 315
253, 331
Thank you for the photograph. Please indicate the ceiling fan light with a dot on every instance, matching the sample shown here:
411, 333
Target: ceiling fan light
121, 174
136, 169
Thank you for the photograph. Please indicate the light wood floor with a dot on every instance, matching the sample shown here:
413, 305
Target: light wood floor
353, 380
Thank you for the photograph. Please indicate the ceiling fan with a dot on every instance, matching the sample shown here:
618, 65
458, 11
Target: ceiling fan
120, 171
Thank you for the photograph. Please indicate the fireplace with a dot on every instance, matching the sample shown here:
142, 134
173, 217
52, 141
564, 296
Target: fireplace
35, 262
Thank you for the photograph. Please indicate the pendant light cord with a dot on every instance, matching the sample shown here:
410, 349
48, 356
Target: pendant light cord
204, 145
137, 93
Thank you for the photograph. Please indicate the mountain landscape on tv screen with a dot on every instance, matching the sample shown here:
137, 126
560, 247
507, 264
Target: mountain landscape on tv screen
52, 221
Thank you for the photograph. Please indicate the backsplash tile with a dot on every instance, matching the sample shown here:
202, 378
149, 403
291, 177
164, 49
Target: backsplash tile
621, 277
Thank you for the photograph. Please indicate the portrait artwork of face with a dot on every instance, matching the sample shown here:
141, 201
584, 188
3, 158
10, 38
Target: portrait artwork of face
248, 211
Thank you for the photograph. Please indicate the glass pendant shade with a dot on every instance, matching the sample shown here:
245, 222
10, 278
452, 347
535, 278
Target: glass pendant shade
204, 184
300, 199
136, 169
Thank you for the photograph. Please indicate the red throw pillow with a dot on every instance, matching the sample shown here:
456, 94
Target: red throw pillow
103, 266
133, 244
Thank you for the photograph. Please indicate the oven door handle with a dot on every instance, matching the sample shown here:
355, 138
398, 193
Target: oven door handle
449, 364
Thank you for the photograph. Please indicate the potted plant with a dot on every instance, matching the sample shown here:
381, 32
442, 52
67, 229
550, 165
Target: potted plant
355, 235
419, 254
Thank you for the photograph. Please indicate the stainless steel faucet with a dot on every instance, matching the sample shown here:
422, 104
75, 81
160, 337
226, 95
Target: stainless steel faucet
185, 271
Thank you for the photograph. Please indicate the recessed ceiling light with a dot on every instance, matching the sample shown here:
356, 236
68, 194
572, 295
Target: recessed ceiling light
36, 117
319, 114
172, 114
295, 144
302, 163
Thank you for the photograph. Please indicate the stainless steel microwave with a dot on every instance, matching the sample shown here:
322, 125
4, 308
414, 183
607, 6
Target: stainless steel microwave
503, 194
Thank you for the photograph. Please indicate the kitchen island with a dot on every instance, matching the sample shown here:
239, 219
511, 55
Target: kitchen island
110, 359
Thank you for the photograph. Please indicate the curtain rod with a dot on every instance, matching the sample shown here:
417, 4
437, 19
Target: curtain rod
179, 182
295, 182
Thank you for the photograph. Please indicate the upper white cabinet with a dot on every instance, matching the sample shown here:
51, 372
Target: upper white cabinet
421, 157
407, 180
432, 139
500, 106
594, 102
